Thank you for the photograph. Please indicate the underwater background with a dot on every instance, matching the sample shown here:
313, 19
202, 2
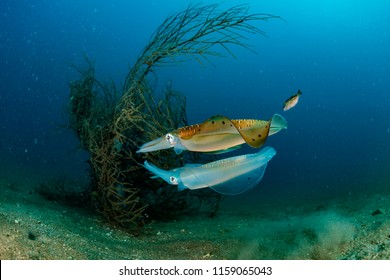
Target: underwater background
335, 52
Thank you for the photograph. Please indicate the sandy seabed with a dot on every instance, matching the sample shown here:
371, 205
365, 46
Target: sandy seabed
349, 227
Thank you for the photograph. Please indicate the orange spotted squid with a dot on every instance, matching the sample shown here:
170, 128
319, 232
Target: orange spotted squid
217, 134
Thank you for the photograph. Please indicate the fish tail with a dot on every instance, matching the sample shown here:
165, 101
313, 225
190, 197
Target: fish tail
278, 123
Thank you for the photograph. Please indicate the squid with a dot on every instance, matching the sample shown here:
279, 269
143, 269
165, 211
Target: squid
217, 134
230, 176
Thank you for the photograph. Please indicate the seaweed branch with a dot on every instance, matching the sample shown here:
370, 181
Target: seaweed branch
196, 32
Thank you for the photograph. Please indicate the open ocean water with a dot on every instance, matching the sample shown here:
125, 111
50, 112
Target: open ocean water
336, 52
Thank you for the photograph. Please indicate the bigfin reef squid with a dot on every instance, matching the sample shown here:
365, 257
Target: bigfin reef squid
230, 176
217, 134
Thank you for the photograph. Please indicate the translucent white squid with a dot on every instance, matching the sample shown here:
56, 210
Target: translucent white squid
230, 176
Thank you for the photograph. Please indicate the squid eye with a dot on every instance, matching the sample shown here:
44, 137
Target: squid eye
173, 180
170, 138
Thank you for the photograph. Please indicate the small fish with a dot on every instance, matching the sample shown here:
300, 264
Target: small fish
230, 176
217, 134
292, 101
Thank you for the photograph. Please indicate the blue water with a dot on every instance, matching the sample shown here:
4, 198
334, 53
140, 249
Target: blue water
336, 52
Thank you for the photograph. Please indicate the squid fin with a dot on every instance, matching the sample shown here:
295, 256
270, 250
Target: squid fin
254, 132
277, 124
241, 184
214, 125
